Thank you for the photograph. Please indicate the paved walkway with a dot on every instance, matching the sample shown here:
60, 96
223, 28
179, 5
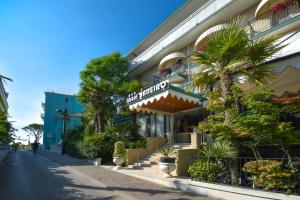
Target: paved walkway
127, 185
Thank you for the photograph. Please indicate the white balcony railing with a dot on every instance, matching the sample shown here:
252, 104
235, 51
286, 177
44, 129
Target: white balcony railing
268, 20
203, 13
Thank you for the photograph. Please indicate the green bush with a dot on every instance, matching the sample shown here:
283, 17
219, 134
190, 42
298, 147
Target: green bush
122, 132
138, 144
210, 166
272, 174
119, 149
92, 146
208, 171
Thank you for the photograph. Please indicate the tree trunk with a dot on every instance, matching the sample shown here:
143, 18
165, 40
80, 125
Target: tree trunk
226, 83
97, 123
286, 152
234, 171
100, 122
133, 119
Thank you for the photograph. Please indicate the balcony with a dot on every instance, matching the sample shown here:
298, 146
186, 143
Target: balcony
201, 41
189, 87
175, 74
200, 16
270, 16
42, 116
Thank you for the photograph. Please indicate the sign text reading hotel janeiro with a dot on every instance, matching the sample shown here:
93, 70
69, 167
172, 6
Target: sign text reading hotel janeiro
148, 91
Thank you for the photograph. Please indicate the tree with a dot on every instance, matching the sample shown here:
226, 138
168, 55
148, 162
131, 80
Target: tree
229, 54
6, 129
36, 130
104, 86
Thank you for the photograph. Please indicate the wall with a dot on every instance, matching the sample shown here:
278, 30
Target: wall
184, 159
135, 154
152, 145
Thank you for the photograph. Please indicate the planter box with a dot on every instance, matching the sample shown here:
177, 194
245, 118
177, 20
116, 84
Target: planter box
230, 192
133, 154
95, 162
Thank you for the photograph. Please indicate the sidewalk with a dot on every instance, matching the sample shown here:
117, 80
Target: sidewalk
120, 181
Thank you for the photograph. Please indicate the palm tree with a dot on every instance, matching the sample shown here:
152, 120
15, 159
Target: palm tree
230, 53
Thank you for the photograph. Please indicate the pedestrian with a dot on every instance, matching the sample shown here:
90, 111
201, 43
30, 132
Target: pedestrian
63, 148
35, 147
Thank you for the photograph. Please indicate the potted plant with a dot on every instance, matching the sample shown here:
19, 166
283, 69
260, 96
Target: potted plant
119, 154
167, 162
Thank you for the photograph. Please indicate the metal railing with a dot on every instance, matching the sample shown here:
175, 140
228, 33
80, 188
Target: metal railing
175, 69
269, 19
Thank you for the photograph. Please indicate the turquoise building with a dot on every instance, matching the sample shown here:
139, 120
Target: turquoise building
61, 112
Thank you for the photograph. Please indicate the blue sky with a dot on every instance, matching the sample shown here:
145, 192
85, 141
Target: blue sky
45, 44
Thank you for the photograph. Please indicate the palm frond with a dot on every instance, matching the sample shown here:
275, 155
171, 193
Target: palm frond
259, 75
260, 50
205, 79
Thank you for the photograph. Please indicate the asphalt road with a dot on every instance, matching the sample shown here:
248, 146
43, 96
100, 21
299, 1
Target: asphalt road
23, 177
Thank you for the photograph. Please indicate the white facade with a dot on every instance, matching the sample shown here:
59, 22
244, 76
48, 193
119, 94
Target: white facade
181, 38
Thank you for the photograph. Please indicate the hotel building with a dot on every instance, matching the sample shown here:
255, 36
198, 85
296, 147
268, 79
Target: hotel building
162, 61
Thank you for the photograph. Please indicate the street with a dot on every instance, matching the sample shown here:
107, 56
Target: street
23, 176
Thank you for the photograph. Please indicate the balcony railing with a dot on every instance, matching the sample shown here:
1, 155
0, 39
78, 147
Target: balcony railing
175, 70
268, 20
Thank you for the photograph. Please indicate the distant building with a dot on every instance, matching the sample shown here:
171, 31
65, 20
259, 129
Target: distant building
3, 97
57, 109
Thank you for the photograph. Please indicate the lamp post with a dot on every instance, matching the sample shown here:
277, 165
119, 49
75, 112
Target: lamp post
65, 117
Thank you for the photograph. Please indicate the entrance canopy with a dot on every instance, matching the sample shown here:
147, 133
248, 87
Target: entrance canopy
168, 99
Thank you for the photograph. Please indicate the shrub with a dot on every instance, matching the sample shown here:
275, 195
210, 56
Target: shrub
210, 166
208, 171
119, 149
122, 132
167, 152
137, 144
92, 146
272, 174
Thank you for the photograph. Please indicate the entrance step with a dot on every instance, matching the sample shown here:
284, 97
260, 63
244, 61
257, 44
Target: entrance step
150, 163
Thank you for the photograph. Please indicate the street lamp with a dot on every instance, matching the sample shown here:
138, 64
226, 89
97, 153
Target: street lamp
65, 117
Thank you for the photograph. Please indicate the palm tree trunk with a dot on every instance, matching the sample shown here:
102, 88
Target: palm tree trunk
226, 83
133, 119
97, 123
101, 123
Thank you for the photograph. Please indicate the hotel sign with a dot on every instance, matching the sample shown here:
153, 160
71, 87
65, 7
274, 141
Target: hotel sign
144, 93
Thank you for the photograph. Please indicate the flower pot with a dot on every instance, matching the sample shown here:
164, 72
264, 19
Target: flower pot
167, 165
97, 161
118, 161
